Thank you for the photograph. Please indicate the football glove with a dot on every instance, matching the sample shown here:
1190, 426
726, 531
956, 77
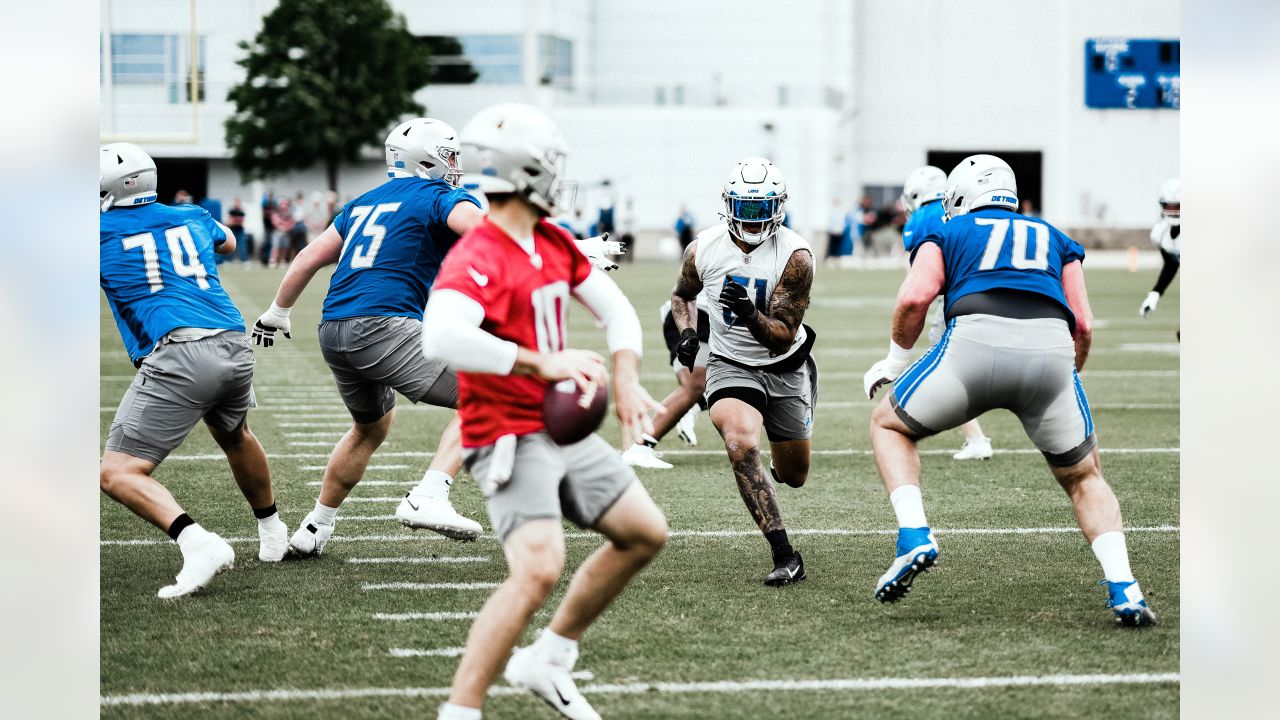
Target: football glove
687, 349
264, 329
598, 250
1149, 305
734, 299
887, 370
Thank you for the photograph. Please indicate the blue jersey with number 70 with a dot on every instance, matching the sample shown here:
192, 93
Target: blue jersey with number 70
157, 269
394, 238
997, 249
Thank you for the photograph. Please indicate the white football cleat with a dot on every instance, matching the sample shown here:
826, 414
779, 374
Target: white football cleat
204, 557
549, 679
311, 536
422, 512
686, 425
975, 449
273, 541
642, 456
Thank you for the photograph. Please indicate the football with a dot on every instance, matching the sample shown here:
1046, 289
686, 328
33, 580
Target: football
570, 414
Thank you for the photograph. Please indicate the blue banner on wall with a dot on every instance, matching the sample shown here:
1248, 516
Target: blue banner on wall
1132, 74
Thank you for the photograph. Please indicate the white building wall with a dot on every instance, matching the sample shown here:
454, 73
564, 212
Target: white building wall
946, 77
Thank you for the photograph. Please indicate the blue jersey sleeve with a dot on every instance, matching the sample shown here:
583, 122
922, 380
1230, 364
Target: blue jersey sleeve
213, 227
342, 219
1071, 250
444, 204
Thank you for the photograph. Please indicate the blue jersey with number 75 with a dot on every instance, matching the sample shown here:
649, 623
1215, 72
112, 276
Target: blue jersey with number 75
994, 248
156, 267
394, 238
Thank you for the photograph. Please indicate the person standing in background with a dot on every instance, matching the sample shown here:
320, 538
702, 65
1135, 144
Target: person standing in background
628, 229
282, 223
268, 230
684, 227
298, 230
837, 229
867, 217
235, 221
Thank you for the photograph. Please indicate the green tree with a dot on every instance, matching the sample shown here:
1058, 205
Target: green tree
322, 81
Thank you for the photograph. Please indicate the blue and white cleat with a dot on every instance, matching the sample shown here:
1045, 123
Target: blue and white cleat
917, 552
1126, 601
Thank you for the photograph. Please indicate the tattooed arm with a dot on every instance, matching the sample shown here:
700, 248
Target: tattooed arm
777, 329
684, 309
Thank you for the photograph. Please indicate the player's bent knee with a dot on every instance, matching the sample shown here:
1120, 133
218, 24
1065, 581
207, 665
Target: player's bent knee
740, 442
538, 575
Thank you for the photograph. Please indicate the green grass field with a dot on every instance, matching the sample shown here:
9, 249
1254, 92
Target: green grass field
1002, 604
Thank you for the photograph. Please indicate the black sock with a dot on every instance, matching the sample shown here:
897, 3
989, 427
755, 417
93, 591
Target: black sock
265, 512
180, 523
781, 546
649, 441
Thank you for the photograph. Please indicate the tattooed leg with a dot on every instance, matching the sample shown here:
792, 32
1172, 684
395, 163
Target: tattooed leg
739, 424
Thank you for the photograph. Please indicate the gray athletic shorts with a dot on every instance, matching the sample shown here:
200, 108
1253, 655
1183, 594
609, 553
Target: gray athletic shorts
984, 362
372, 358
786, 400
179, 384
579, 482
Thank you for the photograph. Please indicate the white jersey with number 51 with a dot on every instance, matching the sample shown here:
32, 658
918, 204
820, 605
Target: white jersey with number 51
718, 260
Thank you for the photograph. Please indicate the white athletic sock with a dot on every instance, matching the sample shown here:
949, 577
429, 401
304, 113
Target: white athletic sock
270, 521
190, 534
324, 514
449, 711
559, 649
908, 505
1114, 556
434, 484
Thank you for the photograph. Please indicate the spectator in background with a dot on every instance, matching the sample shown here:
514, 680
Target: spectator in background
627, 228
318, 215
685, 227
868, 217
1028, 208
235, 221
268, 227
282, 224
298, 230
182, 197
839, 225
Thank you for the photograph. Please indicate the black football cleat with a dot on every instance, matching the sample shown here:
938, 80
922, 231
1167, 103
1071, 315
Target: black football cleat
786, 572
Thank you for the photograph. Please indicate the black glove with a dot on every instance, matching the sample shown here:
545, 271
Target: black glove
734, 299
687, 349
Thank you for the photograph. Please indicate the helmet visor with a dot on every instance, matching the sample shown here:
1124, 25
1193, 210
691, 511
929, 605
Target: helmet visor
1171, 208
753, 210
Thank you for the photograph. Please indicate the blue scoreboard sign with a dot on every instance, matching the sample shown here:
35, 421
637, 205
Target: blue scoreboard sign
1128, 74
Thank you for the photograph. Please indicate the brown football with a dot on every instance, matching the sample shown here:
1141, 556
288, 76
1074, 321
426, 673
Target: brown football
571, 415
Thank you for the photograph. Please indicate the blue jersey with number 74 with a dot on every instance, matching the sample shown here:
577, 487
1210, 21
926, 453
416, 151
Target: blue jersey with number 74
997, 249
394, 238
156, 267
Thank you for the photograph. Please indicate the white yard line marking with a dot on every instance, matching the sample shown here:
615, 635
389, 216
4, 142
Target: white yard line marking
314, 443
850, 375
831, 532
428, 586
327, 425
450, 652
829, 405
373, 483
446, 560
641, 688
677, 453
311, 416
373, 499
1162, 348
429, 616
370, 468
331, 434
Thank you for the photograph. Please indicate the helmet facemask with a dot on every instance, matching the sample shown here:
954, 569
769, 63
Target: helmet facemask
754, 219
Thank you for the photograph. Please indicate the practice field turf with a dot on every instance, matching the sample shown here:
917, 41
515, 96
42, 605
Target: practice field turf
1011, 624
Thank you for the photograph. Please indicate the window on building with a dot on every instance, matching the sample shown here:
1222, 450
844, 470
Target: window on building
555, 58
480, 59
157, 60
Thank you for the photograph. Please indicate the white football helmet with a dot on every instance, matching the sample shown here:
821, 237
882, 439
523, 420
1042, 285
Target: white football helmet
516, 148
980, 181
923, 185
755, 194
1171, 201
426, 148
126, 176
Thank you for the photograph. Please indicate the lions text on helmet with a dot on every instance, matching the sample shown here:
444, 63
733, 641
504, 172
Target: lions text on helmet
980, 181
126, 176
426, 148
515, 148
754, 199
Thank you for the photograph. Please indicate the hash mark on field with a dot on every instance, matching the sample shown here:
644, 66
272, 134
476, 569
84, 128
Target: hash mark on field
640, 688
429, 586
373, 468
450, 652
372, 499
372, 483
327, 426
429, 616
420, 560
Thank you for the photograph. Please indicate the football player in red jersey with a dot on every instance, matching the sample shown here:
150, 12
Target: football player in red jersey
497, 315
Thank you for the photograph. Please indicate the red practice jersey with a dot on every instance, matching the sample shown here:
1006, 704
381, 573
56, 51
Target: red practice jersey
525, 299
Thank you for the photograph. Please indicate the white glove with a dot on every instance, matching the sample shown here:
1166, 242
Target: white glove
597, 250
275, 318
887, 370
1149, 305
